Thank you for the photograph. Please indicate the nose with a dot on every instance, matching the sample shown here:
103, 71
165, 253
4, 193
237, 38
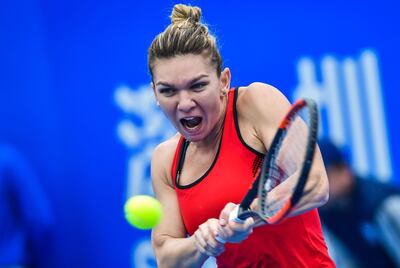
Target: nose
186, 102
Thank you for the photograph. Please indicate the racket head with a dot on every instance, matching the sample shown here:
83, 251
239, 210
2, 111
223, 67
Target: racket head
290, 156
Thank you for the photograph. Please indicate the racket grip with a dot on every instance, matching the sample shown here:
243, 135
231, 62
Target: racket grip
220, 239
233, 216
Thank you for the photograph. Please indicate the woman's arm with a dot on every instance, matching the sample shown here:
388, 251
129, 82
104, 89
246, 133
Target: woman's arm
171, 245
261, 108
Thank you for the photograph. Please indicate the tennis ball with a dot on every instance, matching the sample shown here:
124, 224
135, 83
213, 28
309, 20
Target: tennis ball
143, 211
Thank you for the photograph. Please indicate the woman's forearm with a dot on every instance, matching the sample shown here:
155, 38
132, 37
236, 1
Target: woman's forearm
179, 252
315, 194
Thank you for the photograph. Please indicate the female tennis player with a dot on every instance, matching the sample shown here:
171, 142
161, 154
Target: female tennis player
200, 173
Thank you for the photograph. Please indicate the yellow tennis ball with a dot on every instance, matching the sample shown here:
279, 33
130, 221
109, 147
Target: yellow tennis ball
143, 211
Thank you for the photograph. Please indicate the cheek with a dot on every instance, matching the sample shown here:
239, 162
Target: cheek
215, 96
211, 105
167, 108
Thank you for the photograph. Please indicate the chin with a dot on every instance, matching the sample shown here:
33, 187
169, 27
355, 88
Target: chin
193, 138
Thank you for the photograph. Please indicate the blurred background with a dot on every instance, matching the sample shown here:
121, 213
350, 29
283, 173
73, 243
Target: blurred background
79, 123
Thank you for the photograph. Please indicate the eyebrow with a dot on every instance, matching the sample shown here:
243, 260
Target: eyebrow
161, 83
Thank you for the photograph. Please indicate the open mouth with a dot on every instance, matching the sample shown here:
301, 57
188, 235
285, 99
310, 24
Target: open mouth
191, 122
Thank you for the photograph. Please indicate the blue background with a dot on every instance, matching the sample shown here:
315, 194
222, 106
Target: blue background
62, 60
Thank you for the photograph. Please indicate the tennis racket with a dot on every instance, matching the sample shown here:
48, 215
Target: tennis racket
280, 181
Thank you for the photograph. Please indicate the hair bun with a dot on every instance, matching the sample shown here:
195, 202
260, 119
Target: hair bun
182, 13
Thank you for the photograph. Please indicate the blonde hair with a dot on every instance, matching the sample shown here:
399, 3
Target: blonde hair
185, 35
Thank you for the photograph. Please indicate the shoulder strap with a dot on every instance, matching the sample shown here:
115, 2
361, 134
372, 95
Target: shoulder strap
182, 154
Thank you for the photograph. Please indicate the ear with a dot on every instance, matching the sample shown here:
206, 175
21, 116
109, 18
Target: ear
155, 92
225, 80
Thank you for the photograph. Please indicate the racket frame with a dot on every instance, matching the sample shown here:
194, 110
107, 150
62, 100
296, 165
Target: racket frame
258, 189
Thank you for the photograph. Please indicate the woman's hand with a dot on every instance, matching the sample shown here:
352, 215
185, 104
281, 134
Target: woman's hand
231, 231
205, 238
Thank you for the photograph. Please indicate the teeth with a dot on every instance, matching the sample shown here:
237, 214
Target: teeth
191, 122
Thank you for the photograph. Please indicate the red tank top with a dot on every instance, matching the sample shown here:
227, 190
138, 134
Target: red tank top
296, 242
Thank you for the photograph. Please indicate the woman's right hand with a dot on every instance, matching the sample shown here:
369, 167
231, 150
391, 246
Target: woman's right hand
231, 231
205, 238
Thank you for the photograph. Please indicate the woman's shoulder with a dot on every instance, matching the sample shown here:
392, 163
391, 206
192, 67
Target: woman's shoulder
166, 149
255, 90
261, 98
163, 156
260, 107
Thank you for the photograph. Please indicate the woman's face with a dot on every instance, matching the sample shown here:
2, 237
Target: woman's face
191, 94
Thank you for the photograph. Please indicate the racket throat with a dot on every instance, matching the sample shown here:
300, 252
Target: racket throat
245, 213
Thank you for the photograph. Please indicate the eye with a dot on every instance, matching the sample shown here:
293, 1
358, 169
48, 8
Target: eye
167, 91
199, 86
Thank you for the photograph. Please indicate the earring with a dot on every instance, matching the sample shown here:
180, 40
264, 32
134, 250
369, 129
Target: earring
158, 103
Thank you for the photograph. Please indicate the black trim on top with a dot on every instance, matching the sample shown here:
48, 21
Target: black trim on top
235, 118
182, 155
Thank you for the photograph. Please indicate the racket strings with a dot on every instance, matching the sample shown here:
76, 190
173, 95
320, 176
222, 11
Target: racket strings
287, 163
292, 150
290, 155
